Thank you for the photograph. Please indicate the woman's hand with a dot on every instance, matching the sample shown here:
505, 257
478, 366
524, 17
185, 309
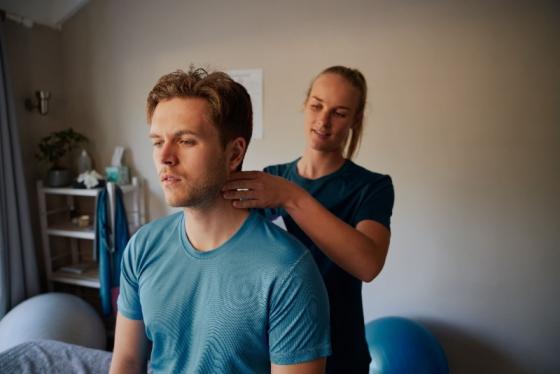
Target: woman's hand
257, 189
359, 250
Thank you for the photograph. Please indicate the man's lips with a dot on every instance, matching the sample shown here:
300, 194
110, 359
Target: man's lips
169, 178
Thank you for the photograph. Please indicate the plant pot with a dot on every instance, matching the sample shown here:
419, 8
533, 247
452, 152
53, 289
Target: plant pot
59, 178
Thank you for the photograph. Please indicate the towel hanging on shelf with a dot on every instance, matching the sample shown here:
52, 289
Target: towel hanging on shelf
111, 242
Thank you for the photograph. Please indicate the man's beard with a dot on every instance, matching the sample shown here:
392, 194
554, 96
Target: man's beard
198, 196
201, 193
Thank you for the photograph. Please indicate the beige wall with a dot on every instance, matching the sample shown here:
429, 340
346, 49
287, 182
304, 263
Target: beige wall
463, 113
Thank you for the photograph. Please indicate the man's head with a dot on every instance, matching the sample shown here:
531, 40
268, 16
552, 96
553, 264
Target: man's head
200, 125
229, 103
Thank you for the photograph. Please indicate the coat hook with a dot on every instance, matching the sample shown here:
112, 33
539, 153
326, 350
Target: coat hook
41, 102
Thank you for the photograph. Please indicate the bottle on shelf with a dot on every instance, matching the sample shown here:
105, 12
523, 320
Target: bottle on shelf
84, 162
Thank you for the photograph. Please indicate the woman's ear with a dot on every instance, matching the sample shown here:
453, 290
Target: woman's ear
235, 153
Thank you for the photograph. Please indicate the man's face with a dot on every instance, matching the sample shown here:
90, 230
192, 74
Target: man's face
187, 152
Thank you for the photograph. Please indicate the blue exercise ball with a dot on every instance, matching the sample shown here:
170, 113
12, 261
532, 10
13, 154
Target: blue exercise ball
399, 345
54, 316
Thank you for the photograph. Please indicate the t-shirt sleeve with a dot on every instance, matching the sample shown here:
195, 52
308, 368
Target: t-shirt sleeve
376, 202
128, 301
299, 316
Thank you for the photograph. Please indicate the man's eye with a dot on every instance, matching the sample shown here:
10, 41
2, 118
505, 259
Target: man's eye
157, 144
187, 142
340, 114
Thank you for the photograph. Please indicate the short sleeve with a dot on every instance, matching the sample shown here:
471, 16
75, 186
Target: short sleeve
129, 301
376, 202
299, 316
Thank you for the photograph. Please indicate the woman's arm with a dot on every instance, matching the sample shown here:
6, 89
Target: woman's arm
361, 251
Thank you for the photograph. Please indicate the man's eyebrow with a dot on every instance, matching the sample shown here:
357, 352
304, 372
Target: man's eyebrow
185, 132
177, 134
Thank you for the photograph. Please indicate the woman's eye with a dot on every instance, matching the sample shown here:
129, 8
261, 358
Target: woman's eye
315, 107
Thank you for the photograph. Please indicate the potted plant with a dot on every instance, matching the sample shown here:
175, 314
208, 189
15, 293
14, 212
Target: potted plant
53, 148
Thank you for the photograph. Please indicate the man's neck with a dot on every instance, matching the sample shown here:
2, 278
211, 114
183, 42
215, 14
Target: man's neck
209, 227
316, 164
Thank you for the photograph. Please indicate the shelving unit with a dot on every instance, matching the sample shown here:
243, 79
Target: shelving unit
69, 250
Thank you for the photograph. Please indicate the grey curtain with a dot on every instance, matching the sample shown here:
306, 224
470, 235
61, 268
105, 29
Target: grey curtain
18, 266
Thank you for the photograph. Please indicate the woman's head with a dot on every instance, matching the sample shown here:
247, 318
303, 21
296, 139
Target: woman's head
339, 93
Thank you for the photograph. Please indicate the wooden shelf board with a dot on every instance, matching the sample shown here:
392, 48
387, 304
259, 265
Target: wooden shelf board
71, 191
82, 191
70, 231
89, 278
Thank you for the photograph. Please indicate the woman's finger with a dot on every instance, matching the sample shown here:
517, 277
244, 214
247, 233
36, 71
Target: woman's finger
242, 184
246, 204
241, 175
234, 185
239, 195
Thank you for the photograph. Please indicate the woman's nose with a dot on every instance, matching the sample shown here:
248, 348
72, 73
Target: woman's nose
323, 119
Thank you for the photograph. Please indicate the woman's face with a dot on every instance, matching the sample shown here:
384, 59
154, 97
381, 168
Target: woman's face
330, 113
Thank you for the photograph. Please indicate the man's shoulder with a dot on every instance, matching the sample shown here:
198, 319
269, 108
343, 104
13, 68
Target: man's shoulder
275, 245
281, 256
158, 227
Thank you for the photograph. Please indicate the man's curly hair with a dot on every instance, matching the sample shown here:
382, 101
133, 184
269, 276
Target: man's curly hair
230, 104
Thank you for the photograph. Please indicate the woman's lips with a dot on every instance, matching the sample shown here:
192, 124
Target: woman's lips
321, 134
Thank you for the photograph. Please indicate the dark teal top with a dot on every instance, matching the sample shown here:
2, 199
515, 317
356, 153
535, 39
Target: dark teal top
353, 194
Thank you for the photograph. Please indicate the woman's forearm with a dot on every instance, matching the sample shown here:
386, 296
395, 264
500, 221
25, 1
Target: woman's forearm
360, 252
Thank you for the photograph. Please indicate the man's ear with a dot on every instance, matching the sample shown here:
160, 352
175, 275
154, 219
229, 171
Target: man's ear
235, 153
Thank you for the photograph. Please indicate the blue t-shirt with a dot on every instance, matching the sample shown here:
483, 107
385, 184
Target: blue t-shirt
257, 299
353, 194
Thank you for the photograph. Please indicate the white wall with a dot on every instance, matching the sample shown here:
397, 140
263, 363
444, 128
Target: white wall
464, 114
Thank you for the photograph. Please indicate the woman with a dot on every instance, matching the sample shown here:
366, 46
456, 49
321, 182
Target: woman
339, 210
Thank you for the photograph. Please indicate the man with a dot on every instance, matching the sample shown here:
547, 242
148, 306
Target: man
215, 289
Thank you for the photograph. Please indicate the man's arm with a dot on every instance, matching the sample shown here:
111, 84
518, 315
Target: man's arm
131, 347
310, 367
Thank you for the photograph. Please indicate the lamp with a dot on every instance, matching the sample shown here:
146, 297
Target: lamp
41, 102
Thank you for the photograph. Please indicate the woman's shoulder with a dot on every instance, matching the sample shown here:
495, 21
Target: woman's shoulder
280, 169
360, 173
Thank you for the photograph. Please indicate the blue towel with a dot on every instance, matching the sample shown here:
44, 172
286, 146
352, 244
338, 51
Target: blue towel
109, 253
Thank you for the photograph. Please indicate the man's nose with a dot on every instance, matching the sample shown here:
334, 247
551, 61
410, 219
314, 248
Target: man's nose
168, 155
